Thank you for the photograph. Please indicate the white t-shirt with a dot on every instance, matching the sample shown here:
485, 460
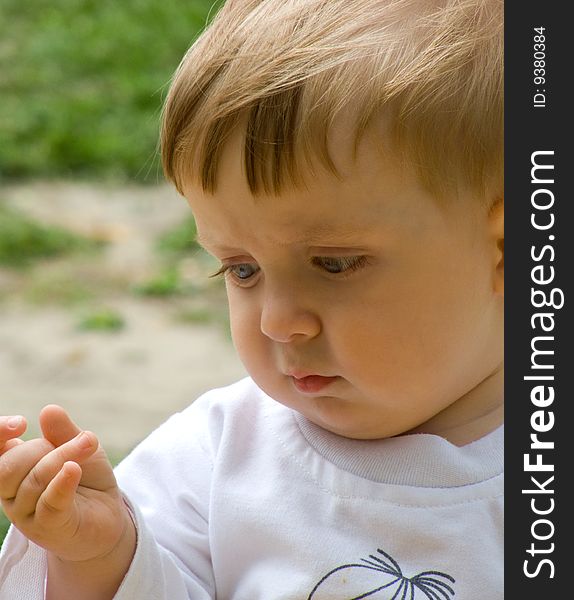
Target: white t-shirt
240, 498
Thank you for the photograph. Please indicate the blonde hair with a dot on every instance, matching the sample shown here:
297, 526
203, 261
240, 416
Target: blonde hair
284, 70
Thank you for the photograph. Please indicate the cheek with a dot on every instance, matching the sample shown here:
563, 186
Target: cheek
245, 320
410, 333
376, 346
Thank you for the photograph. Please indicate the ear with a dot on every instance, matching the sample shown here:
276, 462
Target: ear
496, 232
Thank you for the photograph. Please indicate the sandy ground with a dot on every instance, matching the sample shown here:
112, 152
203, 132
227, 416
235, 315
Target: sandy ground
120, 385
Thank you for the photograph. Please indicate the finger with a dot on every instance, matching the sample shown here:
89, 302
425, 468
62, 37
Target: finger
57, 427
11, 427
57, 500
35, 483
11, 444
18, 462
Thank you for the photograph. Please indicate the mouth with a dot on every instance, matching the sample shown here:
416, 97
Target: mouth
312, 383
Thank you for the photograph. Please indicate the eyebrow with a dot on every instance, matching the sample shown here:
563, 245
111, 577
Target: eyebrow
313, 235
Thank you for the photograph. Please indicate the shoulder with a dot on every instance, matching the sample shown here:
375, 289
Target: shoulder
229, 398
210, 420
234, 420
226, 407
183, 452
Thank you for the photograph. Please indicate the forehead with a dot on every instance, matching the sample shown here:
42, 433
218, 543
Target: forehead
325, 210
373, 194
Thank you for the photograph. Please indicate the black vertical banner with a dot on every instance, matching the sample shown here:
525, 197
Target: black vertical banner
539, 163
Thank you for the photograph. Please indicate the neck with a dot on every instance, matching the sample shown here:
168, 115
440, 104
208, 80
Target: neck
474, 415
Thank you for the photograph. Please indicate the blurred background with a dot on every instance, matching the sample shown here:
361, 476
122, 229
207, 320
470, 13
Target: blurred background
106, 307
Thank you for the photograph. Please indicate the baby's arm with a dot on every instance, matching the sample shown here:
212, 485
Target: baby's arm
74, 512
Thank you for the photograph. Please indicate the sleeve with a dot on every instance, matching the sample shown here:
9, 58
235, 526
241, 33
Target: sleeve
166, 483
22, 568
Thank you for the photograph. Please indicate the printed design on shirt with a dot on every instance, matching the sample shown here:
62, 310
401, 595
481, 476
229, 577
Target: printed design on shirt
381, 577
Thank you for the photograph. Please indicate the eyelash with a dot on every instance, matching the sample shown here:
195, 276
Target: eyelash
352, 263
349, 263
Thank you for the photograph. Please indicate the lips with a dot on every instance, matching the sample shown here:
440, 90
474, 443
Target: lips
312, 383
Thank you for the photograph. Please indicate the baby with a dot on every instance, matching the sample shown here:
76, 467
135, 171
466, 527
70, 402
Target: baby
343, 160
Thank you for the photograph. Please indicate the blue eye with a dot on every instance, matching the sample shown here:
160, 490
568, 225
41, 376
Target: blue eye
335, 265
243, 270
339, 264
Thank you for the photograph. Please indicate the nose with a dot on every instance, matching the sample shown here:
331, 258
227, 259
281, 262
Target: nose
285, 316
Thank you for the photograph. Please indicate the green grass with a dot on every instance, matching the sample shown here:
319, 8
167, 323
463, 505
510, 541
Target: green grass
4, 524
198, 316
180, 239
23, 240
82, 82
164, 284
102, 319
44, 288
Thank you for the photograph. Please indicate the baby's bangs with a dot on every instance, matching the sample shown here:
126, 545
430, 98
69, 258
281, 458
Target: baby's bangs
285, 77
285, 134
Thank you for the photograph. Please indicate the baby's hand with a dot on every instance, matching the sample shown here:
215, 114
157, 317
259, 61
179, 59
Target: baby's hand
74, 512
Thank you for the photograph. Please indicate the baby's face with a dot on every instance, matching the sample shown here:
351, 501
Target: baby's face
360, 303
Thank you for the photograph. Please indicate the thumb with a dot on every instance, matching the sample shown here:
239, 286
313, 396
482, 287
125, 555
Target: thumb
57, 426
